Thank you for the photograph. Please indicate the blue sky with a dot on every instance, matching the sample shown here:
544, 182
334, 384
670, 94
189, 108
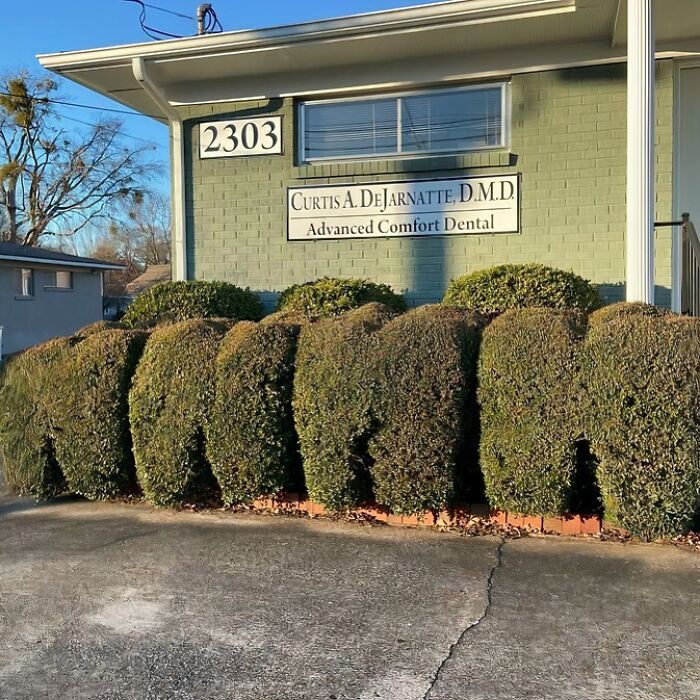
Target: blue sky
45, 26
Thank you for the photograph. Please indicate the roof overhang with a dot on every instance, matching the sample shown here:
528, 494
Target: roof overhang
45, 262
439, 42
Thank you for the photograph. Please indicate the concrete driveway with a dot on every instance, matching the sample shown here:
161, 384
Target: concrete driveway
113, 601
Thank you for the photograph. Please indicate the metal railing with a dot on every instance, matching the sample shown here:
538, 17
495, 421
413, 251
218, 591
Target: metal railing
690, 268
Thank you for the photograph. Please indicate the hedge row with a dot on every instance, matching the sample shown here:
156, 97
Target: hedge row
251, 443
91, 433
491, 291
168, 408
373, 405
641, 379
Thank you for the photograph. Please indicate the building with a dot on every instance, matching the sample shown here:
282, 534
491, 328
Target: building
414, 145
44, 294
152, 275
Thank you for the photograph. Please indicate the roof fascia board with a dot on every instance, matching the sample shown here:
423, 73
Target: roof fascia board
61, 263
358, 26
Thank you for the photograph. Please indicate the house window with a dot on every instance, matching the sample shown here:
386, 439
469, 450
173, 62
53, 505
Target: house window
26, 282
64, 280
440, 121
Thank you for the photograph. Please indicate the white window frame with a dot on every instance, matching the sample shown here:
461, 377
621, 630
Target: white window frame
506, 118
63, 288
32, 283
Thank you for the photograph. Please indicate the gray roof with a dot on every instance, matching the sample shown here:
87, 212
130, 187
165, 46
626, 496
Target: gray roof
43, 256
154, 274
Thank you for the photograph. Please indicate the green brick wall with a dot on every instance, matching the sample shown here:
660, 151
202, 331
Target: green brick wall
568, 142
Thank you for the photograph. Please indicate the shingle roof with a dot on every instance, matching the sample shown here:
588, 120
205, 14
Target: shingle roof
24, 253
152, 276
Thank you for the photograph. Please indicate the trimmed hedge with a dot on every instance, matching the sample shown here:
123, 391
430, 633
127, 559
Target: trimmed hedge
530, 419
334, 393
426, 410
28, 391
251, 442
98, 327
332, 296
179, 301
92, 438
171, 393
641, 374
498, 289
623, 310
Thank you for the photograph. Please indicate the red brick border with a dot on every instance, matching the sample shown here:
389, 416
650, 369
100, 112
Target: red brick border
460, 515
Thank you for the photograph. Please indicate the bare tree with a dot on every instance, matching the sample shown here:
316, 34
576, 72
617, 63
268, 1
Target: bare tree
54, 182
137, 237
142, 226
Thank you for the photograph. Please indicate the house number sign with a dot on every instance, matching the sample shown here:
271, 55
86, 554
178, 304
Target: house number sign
241, 137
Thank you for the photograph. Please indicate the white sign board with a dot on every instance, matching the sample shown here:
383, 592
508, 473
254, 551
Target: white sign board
241, 137
469, 205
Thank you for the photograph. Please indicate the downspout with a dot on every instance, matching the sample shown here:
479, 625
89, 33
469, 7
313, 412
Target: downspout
177, 154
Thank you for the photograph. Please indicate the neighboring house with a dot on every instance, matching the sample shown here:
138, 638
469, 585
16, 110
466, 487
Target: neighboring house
114, 307
44, 294
154, 274
411, 146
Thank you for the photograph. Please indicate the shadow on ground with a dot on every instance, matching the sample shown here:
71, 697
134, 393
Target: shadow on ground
115, 601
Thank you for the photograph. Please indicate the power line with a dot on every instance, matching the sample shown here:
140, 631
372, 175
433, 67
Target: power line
151, 32
51, 100
114, 131
170, 12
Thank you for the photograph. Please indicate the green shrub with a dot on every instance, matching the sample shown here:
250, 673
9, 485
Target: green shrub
92, 438
334, 393
172, 391
296, 318
98, 327
504, 287
530, 420
251, 442
178, 301
28, 389
641, 375
426, 409
333, 296
625, 309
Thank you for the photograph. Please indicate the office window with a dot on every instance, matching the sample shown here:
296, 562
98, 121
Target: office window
26, 282
441, 121
64, 280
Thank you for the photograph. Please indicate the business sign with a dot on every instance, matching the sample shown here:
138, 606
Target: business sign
468, 205
241, 137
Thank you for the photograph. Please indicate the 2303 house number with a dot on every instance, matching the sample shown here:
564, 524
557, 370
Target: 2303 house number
241, 137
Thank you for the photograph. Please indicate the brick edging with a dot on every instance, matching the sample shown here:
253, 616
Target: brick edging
563, 525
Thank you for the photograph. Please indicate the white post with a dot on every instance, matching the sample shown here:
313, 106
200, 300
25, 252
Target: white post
641, 99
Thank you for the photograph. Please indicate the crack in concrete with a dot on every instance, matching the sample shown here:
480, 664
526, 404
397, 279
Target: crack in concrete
473, 625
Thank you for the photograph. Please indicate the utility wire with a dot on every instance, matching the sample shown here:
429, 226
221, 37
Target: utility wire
152, 32
114, 131
50, 100
170, 12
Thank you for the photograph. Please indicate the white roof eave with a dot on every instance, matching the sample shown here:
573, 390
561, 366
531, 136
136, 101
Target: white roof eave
432, 15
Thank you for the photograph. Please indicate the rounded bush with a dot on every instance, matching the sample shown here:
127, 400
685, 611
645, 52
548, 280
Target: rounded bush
178, 301
641, 375
92, 438
334, 393
530, 420
251, 442
98, 327
497, 289
28, 392
425, 368
332, 296
624, 309
172, 391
